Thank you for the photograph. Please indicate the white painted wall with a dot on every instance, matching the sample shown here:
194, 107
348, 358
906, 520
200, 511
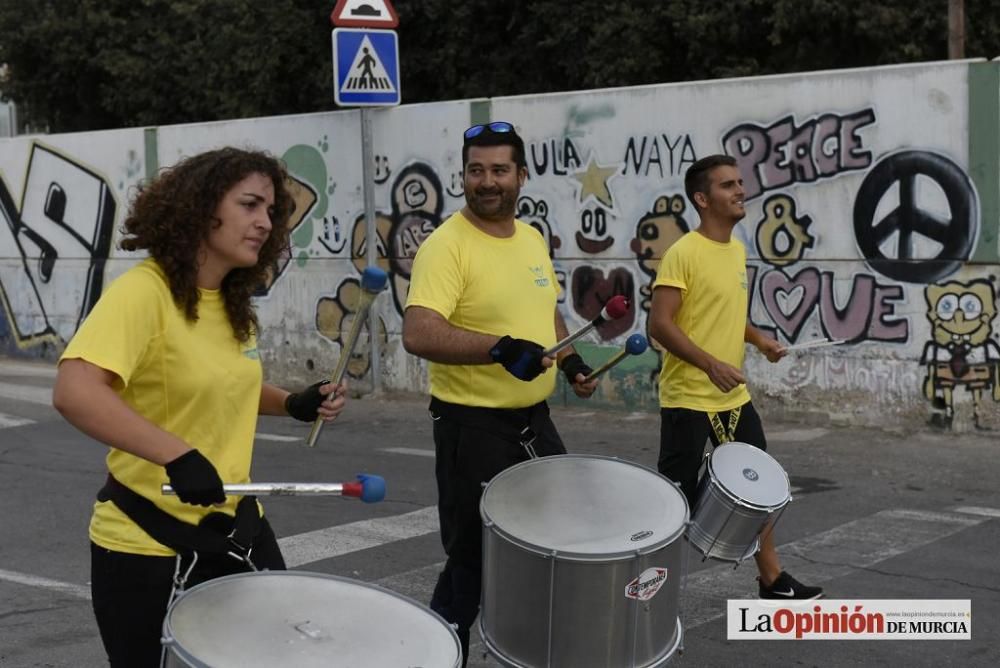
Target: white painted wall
606, 174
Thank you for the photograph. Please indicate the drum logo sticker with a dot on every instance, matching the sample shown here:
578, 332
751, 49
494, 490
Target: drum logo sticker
750, 475
647, 584
640, 535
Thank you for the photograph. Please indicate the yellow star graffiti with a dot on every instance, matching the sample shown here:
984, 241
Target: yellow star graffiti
594, 181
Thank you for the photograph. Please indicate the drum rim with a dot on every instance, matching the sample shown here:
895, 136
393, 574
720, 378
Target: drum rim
489, 524
510, 663
737, 498
170, 642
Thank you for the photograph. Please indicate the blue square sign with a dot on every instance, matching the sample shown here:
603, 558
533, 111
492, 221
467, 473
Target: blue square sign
365, 67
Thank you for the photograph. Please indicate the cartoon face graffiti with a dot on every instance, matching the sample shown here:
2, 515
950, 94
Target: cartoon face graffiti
658, 230
593, 237
960, 313
536, 214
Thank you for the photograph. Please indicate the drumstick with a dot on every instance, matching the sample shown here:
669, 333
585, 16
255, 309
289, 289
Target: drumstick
615, 308
818, 343
373, 281
370, 488
634, 345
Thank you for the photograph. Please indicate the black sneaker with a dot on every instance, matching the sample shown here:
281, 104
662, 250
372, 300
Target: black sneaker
788, 588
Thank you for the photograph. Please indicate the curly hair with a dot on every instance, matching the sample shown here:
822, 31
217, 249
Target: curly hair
173, 214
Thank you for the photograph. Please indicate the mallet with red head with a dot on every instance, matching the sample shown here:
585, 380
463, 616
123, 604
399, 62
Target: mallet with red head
614, 308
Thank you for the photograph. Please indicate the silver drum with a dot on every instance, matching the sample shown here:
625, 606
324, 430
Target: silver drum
294, 618
743, 488
581, 564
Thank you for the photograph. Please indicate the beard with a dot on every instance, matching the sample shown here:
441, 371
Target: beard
499, 209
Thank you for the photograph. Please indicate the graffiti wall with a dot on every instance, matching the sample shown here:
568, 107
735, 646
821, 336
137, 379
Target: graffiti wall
865, 226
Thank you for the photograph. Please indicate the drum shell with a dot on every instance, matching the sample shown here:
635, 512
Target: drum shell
721, 528
535, 591
724, 526
592, 622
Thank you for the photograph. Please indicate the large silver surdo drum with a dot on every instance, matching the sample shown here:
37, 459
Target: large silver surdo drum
581, 564
742, 489
292, 618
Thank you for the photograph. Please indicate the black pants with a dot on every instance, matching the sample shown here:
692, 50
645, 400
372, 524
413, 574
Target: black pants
467, 457
131, 592
683, 433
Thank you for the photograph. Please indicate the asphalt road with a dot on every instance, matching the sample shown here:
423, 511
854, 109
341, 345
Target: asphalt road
875, 515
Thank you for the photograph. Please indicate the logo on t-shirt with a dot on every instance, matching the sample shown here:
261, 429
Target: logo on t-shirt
540, 279
251, 353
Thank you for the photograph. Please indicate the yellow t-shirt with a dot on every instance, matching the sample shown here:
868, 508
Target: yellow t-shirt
712, 278
193, 379
490, 285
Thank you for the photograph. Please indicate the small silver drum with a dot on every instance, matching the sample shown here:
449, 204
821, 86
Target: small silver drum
294, 618
581, 564
740, 491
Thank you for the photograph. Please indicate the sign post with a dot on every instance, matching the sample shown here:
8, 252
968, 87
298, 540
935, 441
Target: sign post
365, 75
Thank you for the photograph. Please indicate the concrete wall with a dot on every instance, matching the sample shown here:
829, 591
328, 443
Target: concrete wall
872, 217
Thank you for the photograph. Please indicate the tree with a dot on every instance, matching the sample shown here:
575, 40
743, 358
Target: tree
92, 64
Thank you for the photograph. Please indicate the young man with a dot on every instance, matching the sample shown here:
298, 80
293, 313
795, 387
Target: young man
482, 309
699, 314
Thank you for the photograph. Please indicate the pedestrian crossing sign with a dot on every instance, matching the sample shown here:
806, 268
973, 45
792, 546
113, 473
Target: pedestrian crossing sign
365, 67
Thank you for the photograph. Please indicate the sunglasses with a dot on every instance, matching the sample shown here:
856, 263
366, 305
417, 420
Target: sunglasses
499, 127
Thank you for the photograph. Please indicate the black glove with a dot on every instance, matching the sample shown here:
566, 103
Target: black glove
195, 480
303, 406
523, 359
573, 364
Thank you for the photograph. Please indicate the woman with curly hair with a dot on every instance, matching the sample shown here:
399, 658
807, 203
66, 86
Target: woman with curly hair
165, 371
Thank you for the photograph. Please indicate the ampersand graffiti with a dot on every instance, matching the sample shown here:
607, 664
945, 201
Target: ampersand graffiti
782, 237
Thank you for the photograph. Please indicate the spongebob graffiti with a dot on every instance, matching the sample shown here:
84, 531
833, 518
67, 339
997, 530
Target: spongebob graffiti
961, 352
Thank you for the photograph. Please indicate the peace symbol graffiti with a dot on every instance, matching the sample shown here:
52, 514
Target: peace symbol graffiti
955, 234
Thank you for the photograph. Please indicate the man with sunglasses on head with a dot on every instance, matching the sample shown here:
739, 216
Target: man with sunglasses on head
482, 310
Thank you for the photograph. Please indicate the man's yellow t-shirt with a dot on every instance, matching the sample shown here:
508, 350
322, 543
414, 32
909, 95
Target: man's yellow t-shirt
489, 285
712, 278
193, 379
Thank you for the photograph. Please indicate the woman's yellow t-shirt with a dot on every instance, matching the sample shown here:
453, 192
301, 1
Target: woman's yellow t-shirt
193, 379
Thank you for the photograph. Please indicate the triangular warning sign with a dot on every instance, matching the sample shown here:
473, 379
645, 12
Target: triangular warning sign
367, 74
364, 14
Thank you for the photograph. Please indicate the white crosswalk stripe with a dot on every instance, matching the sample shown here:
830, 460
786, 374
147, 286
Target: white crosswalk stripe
29, 369
281, 438
306, 548
28, 393
419, 452
13, 421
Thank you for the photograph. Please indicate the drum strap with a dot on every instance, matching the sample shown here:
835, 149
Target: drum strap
721, 433
217, 534
517, 425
